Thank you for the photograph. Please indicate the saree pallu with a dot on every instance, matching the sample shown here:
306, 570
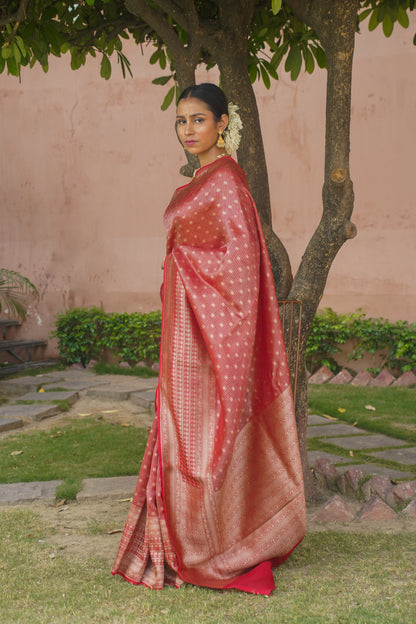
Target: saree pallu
219, 499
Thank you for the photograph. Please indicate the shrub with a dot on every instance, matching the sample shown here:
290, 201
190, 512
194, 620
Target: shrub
80, 334
134, 337
85, 333
393, 343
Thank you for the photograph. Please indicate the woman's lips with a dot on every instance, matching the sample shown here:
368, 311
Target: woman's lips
190, 142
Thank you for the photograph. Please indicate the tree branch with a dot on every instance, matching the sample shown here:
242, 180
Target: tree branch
302, 9
235, 16
194, 28
18, 15
177, 13
157, 20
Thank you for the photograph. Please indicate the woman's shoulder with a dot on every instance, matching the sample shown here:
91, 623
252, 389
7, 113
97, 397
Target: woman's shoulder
220, 170
227, 167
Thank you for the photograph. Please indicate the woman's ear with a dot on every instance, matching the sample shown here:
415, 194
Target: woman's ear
223, 123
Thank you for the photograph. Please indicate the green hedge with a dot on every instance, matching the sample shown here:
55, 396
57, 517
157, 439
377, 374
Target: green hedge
393, 343
87, 333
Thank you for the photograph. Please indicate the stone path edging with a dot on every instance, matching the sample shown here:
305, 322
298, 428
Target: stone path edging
384, 379
335, 473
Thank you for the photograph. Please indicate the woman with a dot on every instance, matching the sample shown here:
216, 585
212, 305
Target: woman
219, 499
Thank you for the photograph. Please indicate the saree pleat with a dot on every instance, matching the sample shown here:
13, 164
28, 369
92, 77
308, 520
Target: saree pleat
220, 495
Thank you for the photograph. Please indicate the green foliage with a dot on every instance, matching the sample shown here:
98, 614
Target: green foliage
387, 13
85, 333
31, 32
277, 35
43, 28
80, 334
393, 343
133, 337
14, 289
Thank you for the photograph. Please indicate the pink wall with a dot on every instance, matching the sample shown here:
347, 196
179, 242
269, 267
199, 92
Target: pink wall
88, 167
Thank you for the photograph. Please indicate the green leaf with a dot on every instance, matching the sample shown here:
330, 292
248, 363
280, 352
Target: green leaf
374, 21
12, 66
362, 16
16, 53
252, 72
21, 44
105, 71
320, 56
276, 6
388, 25
414, 40
125, 64
308, 58
49, 13
154, 58
162, 80
162, 59
294, 62
402, 17
168, 99
90, 2
381, 12
265, 76
273, 73
278, 55
7, 51
52, 36
76, 58
2, 64
392, 10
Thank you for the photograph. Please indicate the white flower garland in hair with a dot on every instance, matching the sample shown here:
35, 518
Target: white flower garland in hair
232, 136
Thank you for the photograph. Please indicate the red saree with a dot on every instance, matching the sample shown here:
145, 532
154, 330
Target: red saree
219, 498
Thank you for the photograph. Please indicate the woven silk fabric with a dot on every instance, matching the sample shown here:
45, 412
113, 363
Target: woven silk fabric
220, 497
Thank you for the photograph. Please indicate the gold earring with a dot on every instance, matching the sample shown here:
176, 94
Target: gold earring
220, 142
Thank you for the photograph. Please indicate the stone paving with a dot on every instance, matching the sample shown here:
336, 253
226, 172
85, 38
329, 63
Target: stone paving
70, 385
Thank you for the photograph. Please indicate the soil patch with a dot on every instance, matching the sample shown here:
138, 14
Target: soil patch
87, 529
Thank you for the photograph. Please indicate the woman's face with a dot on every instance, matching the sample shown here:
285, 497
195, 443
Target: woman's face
197, 129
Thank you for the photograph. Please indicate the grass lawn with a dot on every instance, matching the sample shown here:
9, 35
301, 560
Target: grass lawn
394, 413
333, 577
93, 447
81, 449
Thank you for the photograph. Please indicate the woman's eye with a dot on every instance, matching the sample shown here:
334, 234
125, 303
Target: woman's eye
199, 120
180, 122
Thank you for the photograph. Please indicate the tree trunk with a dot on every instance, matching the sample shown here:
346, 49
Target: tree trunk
236, 83
335, 23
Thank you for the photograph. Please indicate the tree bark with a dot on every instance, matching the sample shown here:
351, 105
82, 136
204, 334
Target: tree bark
251, 157
335, 23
